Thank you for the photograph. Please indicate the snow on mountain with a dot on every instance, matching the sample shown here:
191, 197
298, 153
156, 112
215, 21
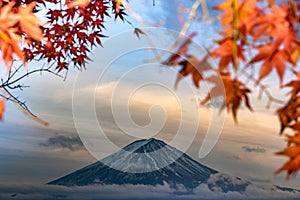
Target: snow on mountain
153, 161
156, 163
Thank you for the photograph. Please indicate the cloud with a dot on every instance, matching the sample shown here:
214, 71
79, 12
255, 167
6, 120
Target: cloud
72, 143
43, 192
249, 149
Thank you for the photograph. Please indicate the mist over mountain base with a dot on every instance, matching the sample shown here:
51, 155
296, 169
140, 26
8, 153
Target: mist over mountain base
107, 192
158, 178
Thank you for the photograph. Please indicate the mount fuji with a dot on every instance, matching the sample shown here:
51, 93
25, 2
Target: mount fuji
146, 157
153, 162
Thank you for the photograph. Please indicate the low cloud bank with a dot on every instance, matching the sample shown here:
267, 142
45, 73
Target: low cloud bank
107, 192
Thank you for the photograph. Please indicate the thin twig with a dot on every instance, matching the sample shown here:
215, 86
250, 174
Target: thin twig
183, 31
263, 89
9, 84
27, 74
18, 102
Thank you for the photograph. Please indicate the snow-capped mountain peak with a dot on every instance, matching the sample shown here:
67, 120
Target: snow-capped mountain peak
148, 161
156, 163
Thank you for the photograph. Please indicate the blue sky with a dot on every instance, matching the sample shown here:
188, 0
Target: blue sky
32, 154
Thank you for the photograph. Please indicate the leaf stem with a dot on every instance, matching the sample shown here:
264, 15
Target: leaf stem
235, 35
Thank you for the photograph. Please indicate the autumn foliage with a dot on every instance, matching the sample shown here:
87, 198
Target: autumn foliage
269, 31
73, 31
255, 35
15, 23
64, 38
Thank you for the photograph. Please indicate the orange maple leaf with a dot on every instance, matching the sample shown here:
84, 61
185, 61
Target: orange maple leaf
295, 85
273, 24
225, 53
289, 113
29, 23
273, 58
293, 152
182, 51
295, 55
8, 38
118, 4
2, 108
195, 67
247, 13
226, 7
234, 92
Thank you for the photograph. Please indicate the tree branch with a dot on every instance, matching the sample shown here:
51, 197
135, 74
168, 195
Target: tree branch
8, 83
12, 83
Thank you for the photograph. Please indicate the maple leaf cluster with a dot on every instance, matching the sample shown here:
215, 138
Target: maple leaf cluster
289, 118
65, 37
269, 31
73, 30
17, 21
293, 152
234, 91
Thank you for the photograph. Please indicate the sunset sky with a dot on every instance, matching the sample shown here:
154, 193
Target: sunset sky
120, 77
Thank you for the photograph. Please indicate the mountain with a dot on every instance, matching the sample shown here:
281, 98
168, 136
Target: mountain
148, 162
152, 162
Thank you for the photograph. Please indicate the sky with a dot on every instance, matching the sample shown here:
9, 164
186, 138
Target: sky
121, 98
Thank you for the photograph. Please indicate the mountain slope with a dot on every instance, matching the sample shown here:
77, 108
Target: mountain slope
153, 162
157, 163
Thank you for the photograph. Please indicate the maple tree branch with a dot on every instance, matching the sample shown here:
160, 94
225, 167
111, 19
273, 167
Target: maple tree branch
140, 20
11, 75
191, 18
7, 98
12, 84
16, 100
205, 10
9, 83
19, 86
